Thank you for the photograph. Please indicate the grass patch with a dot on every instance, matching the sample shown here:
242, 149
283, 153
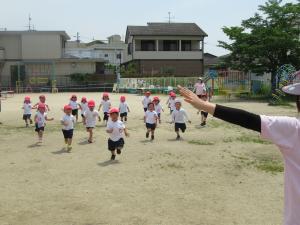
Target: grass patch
228, 140
252, 139
263, 163
201, 142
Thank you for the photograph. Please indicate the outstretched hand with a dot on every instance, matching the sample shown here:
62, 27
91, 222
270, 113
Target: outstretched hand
198, 103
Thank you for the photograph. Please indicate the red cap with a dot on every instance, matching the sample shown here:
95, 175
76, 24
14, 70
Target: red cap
91, 103
27, 98
148, 93
122, 98
155, 98
105, 94
41, 106
67, 107
73, 96
42, 96
83, 99
172, 94
114, 110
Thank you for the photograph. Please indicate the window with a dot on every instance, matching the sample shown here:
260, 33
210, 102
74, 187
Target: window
129, 49
170, 45
186, 45
105, 55
147, 45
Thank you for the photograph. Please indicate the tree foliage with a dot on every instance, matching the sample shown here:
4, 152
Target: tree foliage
267, 40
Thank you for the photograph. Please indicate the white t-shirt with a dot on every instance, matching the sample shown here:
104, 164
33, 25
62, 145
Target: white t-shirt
118, 129
70, 119
84, 107
179, 116
105, 105
91, 118
27, 108
172, 103
123, 107
200, 88
41, 119
158, 108
151, 117
285, 133
73, 104
146, 100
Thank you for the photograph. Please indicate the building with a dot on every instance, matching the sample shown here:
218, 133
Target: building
111, 49
165, 49
38, 57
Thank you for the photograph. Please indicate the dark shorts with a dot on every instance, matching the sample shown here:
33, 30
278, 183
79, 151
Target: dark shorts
113, 145
158, 114
26, 116
180, 126
38, 129
74, 112
151, 126
68, 134
87, 128
205, 114
82, 116
105, 117
145, 109
123, 114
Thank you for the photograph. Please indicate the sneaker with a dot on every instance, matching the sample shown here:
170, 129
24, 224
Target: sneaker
147, 134
118, 151
152, 137
202, 124
69, 148
90, 141
178, 137
113, 157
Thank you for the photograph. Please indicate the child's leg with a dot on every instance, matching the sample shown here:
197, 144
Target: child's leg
40, 134
122, 118
152, 134
147, 133
90, 135
125, 118
113, 155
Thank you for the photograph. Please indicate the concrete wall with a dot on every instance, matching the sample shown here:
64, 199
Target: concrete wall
66, 68
41, 46
12, 45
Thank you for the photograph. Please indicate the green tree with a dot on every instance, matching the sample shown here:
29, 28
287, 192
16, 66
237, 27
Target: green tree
267, 40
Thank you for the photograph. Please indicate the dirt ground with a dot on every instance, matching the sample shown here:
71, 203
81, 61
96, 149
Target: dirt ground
215, 175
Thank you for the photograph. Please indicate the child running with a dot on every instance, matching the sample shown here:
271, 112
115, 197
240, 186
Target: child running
124, 109
90, 118
42, 99
83, 106
40, 119
146, 100
74, 105
68, 122
115, 128
168, 101
106, 106
157, 107
179, 117
150, 119
27, 110
172, 102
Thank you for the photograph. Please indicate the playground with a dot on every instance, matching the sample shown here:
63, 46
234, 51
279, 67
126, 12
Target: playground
219, 174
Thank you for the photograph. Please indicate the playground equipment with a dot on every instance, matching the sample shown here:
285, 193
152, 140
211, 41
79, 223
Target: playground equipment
285, 75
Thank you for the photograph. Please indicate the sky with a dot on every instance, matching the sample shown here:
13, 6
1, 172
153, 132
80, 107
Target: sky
98, 19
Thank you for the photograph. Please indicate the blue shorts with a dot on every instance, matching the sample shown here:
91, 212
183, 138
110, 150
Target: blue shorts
68, 134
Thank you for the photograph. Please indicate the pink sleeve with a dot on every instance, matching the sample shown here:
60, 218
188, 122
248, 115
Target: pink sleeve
281, 130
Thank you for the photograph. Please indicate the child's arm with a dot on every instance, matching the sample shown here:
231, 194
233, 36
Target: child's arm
126, 132
186, 116
35, 119
80, 107
99, 107
109, 130
35, 105
128, 109
48, 119
145, 119
172, 117
48, 107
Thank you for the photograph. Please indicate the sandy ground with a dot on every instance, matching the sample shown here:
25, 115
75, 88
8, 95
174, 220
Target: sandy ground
206, 178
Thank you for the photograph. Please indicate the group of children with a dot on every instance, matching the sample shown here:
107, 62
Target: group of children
113, 118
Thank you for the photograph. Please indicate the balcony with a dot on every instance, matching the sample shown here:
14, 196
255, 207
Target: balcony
173, 55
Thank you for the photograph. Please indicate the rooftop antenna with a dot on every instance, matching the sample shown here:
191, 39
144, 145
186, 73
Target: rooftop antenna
170, 17
29, 22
